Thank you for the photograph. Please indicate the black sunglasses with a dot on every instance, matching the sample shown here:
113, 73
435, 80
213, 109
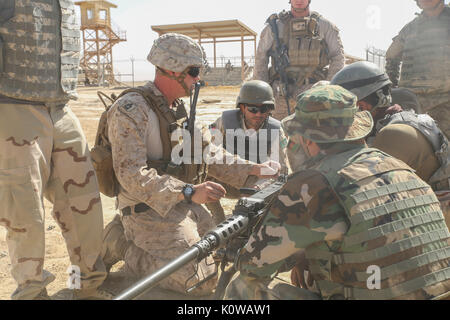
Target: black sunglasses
194, 72
255, 109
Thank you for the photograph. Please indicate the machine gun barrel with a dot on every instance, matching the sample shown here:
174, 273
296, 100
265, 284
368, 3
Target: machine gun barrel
245, 215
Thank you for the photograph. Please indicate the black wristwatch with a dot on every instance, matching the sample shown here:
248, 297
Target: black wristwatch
188, 191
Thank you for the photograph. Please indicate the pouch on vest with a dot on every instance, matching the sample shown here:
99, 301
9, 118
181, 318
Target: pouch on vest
101, 153
7, 8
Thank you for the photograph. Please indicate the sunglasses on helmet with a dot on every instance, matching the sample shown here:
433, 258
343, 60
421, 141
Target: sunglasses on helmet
262, 109
193, 72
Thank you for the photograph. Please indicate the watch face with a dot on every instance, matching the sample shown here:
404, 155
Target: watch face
188, 191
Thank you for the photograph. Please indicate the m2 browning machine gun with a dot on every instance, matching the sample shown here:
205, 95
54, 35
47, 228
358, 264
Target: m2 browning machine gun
280, 59
236, 229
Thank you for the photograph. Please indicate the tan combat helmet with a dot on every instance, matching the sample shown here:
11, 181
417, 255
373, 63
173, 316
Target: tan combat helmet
178, 53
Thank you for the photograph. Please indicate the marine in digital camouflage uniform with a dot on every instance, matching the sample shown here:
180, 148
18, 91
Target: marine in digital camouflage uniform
354, 207
158, 219
422, 48
314, 48
43, 151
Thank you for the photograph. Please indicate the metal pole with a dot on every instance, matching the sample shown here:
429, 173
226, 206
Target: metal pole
152, 280
242, 57
132, 69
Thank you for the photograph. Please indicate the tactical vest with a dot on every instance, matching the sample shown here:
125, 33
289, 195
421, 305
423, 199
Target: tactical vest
232, 120
426, 54
169, 121
395, 226
307, 51
427, 126
39, 45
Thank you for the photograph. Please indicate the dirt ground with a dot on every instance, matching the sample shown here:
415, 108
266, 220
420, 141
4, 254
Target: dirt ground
88, 108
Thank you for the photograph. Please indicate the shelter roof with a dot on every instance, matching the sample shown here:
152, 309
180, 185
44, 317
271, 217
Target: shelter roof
208, 30
106, 3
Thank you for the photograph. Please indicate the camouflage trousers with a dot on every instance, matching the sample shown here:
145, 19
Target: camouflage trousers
281, 109
157, 240
438, 107
242, 288
43, 152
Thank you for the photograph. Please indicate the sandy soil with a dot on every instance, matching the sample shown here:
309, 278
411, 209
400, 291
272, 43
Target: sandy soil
88, 108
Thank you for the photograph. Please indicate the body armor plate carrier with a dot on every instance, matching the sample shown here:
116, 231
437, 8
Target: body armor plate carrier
395, 223
232, 120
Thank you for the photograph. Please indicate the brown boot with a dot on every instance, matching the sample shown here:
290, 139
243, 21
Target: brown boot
114, 243
91, 294
43, 295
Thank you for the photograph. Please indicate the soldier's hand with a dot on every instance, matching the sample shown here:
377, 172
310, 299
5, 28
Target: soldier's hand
394, 109
268, 169
208, 192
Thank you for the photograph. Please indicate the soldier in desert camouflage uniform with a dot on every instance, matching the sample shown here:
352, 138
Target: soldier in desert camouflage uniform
312, 43
354, 207
43, 150
423, 49
160, 206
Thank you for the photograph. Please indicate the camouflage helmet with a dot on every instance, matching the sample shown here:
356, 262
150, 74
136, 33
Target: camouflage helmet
328, 114
176, 52
362, 78
256, 92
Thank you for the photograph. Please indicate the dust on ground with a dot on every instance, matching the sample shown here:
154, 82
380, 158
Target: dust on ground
88, 108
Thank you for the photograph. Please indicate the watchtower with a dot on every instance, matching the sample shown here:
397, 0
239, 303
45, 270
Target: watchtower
99, 36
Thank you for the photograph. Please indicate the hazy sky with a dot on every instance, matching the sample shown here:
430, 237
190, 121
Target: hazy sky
362, 23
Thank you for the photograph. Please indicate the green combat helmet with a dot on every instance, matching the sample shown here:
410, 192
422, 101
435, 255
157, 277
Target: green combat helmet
256, 92
364, 78
328, 114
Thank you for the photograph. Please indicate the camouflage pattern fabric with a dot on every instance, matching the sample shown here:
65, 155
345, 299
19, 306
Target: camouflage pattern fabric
310, 214
134, 135
423, 48
327, 31
133, 130
156, 240
47, 156
40, 41
441, 114
352, 208
328, 114
176, 52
